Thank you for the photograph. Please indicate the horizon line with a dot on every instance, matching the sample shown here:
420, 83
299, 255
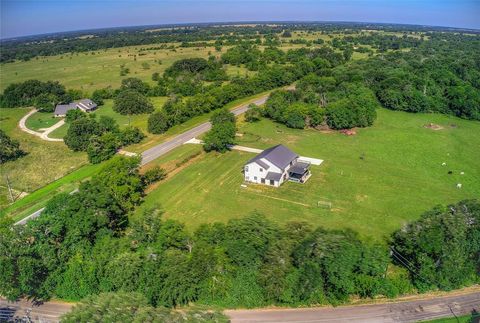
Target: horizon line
243, 22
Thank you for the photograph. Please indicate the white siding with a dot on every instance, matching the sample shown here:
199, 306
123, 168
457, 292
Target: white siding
254, 173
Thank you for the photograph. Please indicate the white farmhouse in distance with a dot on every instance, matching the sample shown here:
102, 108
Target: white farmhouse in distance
276, 165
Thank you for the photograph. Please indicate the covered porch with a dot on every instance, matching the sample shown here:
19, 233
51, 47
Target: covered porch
299, 172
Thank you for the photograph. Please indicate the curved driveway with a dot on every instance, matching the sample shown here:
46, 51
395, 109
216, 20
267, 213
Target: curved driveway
41, 135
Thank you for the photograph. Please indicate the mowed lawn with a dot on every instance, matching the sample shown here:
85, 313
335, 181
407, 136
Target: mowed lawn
41, 120
44, 162
376, 181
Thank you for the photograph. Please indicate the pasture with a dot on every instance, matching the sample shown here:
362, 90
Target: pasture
93, 70
97, 69
376, 181
45, 161
88, 71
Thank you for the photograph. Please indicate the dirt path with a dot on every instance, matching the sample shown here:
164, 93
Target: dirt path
41, 135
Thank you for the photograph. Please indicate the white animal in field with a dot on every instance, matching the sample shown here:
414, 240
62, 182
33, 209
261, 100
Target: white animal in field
462, 173
459, 185
444, 164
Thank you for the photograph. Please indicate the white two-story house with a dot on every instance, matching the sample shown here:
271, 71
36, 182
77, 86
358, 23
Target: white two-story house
274, 166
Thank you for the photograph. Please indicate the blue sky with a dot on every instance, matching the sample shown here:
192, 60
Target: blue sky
27, 17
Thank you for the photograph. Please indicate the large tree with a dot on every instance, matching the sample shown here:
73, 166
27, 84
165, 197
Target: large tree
129, 102
79, 133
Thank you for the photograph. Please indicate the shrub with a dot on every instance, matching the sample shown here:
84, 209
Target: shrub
131, 135
9, 148
222, 116
158, 122
154, 175
253, 114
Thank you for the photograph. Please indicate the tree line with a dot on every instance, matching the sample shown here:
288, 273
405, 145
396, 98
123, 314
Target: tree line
93, 242
301, 62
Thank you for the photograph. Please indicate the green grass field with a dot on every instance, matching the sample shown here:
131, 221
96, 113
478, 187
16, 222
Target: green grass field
457, 319
376, 181
41, 120
99, 69
45, 161
92, 70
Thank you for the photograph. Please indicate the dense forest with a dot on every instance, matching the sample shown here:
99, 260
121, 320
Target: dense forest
90, 242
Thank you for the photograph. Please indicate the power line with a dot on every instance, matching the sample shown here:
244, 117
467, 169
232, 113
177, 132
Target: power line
396, 254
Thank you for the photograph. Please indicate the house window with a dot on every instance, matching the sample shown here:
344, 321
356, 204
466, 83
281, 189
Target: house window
255, 178
263, 180
272, 182
246, 168
261, 169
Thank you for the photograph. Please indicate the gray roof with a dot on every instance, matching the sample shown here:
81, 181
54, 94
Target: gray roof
61, 109
299, 168
273, 176
261, 163
278, 155
86, 104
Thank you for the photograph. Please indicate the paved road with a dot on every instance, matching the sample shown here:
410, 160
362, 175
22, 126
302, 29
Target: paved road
163, 148
46, 312
409, 311
159, 150
36, 214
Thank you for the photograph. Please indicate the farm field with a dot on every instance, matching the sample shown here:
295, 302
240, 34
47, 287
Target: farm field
376, 181
97, 69
88, 71
93, 70
44, 162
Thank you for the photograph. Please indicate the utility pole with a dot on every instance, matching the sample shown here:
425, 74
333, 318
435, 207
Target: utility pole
9, 189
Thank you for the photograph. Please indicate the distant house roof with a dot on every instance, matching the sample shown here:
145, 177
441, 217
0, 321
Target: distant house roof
83, 104
61, 109
278, 155
273, 176
86, 104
